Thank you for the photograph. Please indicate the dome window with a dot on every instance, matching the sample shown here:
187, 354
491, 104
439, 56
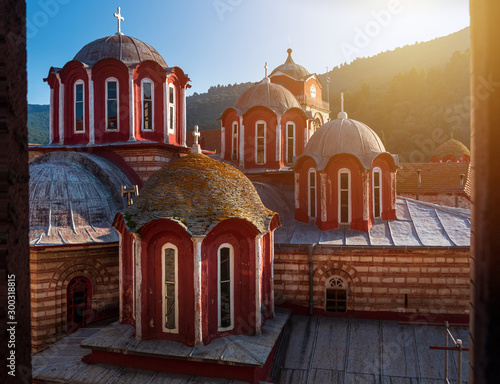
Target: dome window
377, 192
234, 153
225, 285
171, 107
170, 290
290, 142
79, 111
344, 196
312, 193
260, 145
112, 104
147, 104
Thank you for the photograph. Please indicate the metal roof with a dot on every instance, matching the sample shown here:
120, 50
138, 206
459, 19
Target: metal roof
290, 68
129, 50
73, 199
344, 136
419, 224
266, 94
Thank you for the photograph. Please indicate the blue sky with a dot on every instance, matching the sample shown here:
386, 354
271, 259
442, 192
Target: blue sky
228, 41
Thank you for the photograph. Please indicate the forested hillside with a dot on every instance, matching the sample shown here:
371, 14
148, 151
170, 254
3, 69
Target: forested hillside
38, 124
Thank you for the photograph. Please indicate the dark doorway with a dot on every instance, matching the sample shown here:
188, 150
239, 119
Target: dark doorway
79, 303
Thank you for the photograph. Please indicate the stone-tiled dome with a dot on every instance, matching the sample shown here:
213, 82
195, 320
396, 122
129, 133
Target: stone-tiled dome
266, 94
129, 50
344, 135
291, 69
451, 147
198, 192
73, 198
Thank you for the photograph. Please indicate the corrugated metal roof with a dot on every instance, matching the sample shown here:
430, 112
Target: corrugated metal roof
419, 224
73, 199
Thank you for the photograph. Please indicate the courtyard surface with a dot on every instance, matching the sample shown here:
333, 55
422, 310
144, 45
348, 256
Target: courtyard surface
316, 350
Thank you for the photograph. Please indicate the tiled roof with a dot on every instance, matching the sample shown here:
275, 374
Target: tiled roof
198, 193
73, 199
419, 224
451, 147
436, 178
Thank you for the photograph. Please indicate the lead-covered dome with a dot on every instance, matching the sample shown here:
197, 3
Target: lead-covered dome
74, 198
266, 94
129, 50
291, 68
344, 135
198, 192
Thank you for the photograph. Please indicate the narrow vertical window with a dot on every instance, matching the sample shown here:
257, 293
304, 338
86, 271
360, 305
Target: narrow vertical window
171, 107
377, 192
225, 281
260, 138
312, 193
79, 107
290, 142
111, 104
336, 295
344, 196
147, 105
234, 155
170, 292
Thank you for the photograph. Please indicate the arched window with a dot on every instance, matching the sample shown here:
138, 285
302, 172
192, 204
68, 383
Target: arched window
377, 192
344, 193
336, 294
234, 154
147, 93
225, 279
79, 302
260, 142
79, 111
170, 305
171, 107
290, 142
312, 193
112, 92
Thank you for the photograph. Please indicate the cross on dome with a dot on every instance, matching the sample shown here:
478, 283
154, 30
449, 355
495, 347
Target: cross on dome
342, 114
119, 18
266, 67
196, 146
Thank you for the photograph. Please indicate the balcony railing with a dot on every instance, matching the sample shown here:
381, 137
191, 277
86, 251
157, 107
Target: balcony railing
309, 101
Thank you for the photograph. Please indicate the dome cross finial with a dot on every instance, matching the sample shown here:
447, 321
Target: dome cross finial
265, 68
196, 146
342, 115
119, 19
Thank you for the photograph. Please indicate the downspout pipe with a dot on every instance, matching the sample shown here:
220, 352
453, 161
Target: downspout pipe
311, 281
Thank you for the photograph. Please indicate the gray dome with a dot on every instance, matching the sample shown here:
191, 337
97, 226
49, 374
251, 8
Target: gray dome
129, 50
291, 69
74, 198
266, 94
344, 136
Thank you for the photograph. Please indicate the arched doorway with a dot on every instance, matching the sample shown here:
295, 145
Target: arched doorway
79, 303
336, 294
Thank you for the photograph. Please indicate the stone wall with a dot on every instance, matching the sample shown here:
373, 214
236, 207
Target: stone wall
434, 281
52, 268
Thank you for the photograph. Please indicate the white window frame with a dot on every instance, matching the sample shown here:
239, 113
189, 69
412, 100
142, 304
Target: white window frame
171, 108
143, 81
293, 139
312, 215
349, 199
163, 301
109, 79
234, 137
379, 171
257, 141
78, 82
231, 296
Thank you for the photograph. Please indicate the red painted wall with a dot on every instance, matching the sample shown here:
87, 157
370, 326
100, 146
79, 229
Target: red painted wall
302, 169
249, 121
294, 86
388, 168
299, 118
228, 118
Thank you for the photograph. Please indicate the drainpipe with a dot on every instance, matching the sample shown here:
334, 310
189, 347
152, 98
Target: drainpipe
311, 282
